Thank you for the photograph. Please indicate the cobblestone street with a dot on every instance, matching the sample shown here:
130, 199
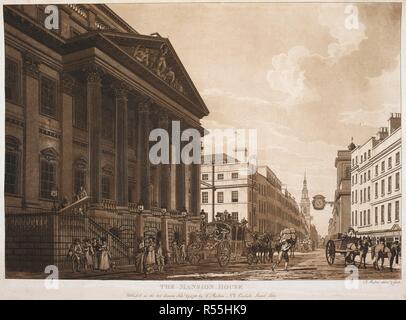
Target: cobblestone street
304, 266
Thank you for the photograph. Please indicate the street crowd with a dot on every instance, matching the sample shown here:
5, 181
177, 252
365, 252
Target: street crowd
151, 258
90, 255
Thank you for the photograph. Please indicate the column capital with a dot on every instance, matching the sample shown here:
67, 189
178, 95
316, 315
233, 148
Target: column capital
93, 73
145, 105
68, 83
31, 64
120, 89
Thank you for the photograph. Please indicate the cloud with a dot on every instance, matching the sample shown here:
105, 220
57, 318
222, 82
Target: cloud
287, 77
342, 21
215, 92
363, 117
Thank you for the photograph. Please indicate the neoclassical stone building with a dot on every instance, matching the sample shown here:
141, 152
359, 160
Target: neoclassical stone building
80, 103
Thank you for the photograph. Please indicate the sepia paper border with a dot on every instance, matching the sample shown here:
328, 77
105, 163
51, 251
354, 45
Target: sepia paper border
203, 290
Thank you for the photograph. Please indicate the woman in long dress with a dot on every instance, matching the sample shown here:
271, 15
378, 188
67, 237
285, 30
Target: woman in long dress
150, 260
139, 265
104, 257
88, 254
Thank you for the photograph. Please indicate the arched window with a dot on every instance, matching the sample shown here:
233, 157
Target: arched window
79, 174
48, 174
12, 166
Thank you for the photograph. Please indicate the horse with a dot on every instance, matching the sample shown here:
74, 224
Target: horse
364, 246
381, 251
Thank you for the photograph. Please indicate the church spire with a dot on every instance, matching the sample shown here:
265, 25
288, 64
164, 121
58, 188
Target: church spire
305, 193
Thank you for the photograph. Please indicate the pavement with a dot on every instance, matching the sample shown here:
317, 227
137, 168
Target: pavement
304, 266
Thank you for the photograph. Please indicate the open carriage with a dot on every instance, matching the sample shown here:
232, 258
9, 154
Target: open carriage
214, 237
344, 245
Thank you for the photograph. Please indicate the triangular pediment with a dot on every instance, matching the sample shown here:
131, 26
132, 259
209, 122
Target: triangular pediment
157, 56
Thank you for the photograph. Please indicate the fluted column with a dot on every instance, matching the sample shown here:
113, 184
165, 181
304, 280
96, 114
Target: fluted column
121, 92
143, 163
31, 130
94, 105
165, 169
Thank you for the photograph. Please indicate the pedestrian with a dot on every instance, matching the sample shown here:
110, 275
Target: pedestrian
175, 252
75, 254
88, 254
283, 254
104, 256
150, 261
96, 253
160, 259
183, 252
139, 259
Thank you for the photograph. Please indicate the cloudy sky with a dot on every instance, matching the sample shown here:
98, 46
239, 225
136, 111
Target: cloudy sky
308, 77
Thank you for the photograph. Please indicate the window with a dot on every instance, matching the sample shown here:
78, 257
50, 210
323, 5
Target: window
352, 218
397, 181
361, 158
205, 177
389, 184
397, 158
365, 176
369, 193
365, 217
369, 154
234, 196
382, 214
205, 197
234, 175
397, 211
48, 97
360, 218
369, 175
376, 170
12, 166
220, 176
389, 162
352, 196
382, 187
80, 111
389, 212
365, 156
220, 197
360, 195
360, 179
234, 216
48, 178
369, 216
356, 217
106, 184
12, 81
383, 166
376, 215
376, 190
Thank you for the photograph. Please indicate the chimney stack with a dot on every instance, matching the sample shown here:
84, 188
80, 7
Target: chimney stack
395, 121
382, 133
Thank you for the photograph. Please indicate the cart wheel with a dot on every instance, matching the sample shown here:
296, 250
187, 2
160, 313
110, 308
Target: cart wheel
330, 252
223, 253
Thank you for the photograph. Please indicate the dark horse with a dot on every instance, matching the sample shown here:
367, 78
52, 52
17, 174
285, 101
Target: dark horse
381, 251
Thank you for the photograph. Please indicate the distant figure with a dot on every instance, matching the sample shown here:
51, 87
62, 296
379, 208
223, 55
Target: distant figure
160, 259
139, 260
183, 252
96, 253
150, 259
88, 255
64, 203
104, 256
75, 253
82, 192
175, 252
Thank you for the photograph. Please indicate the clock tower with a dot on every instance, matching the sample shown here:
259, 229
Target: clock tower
305, 202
